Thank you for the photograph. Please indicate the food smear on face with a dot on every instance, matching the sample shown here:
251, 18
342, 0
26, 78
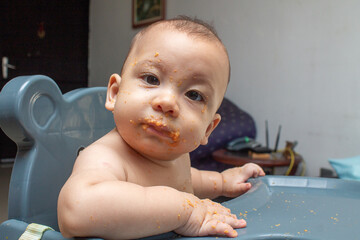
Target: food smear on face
179, 82
134, 63
175, 135
156, 54
160, 125
204, 109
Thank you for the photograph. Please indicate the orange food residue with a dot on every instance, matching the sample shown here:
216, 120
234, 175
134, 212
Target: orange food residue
215, 187
204, 109
175, 135
179, 82
190, 203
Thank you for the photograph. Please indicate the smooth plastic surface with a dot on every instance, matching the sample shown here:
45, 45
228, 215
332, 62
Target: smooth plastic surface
49, 128
347, 168
280, 207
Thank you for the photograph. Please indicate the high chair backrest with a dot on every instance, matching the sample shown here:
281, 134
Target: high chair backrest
49, 129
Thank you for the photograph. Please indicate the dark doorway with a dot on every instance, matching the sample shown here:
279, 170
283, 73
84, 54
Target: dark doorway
44, 37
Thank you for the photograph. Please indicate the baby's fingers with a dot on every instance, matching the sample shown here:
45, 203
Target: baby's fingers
254, 170
237, 189
216, 227
231, 220
240, 189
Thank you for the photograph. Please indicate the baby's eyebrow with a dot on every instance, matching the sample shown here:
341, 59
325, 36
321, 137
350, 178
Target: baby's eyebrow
156, 63
197, 77
202, 79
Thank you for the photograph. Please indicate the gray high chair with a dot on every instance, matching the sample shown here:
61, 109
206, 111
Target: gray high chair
50, 129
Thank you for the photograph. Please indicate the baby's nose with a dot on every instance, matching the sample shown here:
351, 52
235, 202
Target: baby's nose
167, 104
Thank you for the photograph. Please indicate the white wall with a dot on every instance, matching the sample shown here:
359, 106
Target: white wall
109, 38
294, 63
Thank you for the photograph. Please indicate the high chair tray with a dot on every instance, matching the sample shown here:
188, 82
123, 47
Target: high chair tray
280, 207
277, 207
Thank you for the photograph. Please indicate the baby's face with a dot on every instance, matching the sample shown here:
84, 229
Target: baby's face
170, 90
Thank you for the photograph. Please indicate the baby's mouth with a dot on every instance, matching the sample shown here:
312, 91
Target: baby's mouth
157, 126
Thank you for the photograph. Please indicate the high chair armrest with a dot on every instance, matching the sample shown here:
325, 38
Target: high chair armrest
13, 229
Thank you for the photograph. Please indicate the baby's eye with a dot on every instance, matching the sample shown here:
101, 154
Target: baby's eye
152, 80
194, 95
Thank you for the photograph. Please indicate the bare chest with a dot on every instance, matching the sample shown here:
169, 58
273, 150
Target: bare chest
177, 176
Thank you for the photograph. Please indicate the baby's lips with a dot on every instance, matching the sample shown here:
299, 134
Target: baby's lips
161, 126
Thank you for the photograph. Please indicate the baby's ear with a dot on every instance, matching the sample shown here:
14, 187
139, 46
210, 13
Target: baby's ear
210, 128
112, 91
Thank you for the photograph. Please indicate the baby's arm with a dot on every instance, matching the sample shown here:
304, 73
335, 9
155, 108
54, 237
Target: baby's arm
229, 183
94, 202
113, 209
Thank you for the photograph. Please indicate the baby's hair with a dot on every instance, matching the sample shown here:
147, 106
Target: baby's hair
194, 27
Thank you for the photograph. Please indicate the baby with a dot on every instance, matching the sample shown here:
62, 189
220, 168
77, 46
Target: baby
137, 180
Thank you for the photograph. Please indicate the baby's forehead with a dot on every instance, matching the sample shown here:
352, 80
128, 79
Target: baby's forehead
192, 30
147, 37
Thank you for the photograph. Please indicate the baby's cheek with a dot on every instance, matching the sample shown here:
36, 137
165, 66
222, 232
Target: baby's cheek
191, 138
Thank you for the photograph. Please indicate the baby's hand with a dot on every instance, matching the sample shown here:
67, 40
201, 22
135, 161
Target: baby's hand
210, 218
234, 179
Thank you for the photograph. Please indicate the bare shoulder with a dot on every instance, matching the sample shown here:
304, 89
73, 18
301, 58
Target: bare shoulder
102, 157
96, 164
